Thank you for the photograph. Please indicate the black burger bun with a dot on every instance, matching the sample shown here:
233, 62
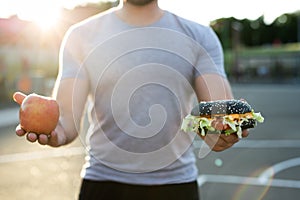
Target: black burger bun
221, 107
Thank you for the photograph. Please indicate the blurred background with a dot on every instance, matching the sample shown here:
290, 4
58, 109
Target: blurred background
261, 41
258, 48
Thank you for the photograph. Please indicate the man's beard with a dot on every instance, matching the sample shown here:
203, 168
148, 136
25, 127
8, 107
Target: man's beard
139, 2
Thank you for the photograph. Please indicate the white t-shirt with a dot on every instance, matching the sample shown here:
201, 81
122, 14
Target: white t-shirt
141, 87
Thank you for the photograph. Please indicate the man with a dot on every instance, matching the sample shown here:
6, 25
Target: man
139, 67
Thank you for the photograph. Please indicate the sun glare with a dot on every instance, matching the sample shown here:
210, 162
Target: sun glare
44, 16
47, 21
46, 13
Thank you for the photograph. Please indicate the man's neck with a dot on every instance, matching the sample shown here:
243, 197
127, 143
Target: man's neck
140, 15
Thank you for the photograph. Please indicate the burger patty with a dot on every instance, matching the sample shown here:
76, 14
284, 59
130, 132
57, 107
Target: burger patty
250, 123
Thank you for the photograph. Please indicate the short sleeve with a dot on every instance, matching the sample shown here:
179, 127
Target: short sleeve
210, 57
70, 56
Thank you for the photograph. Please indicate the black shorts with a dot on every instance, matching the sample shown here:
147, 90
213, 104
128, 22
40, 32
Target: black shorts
107, 190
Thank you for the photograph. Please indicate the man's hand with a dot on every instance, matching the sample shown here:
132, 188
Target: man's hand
221, 142
70, 116
55, 139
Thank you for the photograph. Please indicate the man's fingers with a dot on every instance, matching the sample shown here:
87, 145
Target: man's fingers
225, 142
32, 137
20, 131
54, 139
220, 142
221, 147
245, 133
19, 97
43, 139
231, 139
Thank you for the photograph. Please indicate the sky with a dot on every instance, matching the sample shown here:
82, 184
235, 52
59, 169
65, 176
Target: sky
46, 12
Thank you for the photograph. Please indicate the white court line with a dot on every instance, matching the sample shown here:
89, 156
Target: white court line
271, 171
264, 179
208, 178
55, 152
58, 152
245, 143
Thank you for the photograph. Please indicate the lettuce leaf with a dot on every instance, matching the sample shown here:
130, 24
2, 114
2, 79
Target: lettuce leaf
258, 117
192, 124
195, 123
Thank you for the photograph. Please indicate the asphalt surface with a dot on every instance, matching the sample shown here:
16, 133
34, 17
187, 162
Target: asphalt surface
265, 165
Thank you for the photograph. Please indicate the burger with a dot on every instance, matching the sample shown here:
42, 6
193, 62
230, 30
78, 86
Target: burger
221, 116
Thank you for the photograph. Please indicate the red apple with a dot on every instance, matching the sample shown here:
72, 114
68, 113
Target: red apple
38, 114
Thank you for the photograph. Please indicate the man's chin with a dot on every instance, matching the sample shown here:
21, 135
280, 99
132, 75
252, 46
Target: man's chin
139, 2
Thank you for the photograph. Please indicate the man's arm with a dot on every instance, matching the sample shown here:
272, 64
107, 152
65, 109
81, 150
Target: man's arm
210, 87
71, 95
